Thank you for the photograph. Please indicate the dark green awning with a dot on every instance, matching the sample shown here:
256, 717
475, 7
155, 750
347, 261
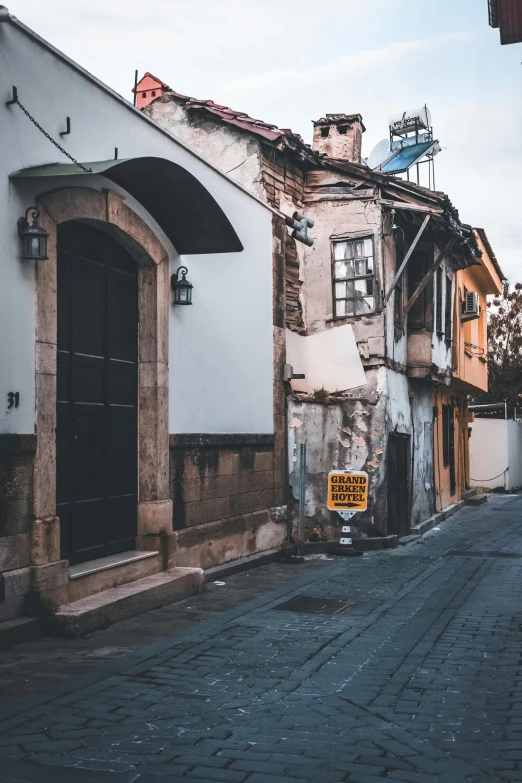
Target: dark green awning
187, 213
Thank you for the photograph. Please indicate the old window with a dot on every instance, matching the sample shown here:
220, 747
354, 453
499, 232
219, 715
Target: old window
446, 411
438, 306
325, 131
353, 277
448, 302
417, 268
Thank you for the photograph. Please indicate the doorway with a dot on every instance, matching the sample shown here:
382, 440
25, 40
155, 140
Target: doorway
97, 378
398, 485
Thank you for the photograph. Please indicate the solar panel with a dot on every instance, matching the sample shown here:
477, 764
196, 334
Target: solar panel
407, 157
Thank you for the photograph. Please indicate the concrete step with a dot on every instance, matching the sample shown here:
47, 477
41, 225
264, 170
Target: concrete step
469, 493
23, 629
476, 500
118, 603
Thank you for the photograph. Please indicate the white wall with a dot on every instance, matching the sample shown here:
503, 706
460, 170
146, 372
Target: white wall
221, 353
489, 453
514, 476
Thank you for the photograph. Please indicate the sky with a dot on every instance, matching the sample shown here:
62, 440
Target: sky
291, 63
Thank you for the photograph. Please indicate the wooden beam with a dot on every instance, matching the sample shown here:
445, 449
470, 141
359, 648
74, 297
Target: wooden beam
429, 274
412, 207
407, 258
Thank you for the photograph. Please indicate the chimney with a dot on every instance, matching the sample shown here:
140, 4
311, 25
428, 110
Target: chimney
339, 136
148, 89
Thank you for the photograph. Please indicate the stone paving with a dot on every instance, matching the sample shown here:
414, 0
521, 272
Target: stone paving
419, 679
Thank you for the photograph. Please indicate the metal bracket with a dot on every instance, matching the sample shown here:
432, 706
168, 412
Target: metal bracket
67, 126
14, 99
347, 515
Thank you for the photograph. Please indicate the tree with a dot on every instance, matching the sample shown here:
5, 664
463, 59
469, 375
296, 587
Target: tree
505, 347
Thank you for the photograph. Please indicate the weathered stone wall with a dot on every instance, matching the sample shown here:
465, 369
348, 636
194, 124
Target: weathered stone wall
228, 497
16, 504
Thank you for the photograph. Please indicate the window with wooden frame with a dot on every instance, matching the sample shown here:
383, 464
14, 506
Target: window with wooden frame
448, 306
438, 303
418, 316
353, 277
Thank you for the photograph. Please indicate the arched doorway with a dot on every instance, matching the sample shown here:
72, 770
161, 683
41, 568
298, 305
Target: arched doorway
97, 393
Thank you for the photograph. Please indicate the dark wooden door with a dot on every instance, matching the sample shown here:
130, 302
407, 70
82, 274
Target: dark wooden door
398, 496
96, 438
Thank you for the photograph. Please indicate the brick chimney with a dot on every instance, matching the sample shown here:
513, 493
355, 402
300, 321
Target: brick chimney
339, 136
148, 88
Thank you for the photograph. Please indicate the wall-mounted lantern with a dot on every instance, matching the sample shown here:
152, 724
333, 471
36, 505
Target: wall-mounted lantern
182, 288
34, 237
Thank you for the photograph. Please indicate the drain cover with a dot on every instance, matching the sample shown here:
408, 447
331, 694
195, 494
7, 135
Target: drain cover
311, 605
465, 553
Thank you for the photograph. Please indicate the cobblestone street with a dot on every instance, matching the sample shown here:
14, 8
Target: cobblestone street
417, 678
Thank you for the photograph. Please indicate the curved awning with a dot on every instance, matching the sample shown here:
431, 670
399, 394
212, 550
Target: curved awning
184, 209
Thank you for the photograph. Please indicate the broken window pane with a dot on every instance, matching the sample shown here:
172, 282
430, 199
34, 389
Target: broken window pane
340, 290
364, 305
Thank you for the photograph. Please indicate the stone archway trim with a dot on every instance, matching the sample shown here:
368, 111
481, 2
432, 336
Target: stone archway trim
107, 211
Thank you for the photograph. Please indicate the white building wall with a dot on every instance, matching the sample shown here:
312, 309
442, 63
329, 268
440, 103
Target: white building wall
221, 359
489, 453
514, 475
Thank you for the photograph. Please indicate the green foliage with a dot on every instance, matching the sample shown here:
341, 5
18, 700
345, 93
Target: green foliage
505, 347
321, 395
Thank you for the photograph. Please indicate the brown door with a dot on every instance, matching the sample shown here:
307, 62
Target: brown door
96, 394
398, 494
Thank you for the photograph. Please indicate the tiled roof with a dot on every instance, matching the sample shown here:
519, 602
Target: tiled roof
240, 119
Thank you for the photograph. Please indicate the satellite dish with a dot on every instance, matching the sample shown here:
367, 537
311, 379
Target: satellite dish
379, 154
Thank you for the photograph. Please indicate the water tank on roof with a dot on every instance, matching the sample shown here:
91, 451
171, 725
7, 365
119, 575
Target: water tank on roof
400, 124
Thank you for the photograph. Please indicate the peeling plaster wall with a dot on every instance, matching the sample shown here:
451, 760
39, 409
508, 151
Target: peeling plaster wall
336, 220
353, 433
341, 435
233, 152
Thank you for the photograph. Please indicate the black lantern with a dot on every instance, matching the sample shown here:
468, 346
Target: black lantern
34, 237
182, 288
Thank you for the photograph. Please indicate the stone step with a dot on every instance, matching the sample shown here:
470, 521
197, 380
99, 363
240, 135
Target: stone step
476, 500
119, 603
102, 574
469, 493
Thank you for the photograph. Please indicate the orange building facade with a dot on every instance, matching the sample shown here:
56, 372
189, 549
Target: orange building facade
469, 374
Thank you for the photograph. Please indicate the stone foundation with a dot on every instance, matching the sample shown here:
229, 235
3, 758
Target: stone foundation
228, 498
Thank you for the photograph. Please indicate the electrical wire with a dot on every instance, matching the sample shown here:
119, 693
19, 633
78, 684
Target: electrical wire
490, 479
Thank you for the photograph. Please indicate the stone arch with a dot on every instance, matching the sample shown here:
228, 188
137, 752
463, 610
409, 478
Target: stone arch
107, 211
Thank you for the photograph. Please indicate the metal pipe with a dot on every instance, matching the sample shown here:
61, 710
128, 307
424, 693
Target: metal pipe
135, 87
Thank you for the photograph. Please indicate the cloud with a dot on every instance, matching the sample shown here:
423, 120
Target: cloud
348, 66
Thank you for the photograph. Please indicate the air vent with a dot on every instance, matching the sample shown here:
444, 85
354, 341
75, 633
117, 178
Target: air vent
470, 307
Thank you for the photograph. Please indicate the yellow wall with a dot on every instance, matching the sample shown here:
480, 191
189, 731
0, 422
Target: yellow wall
469, 376
457, 400
470, 361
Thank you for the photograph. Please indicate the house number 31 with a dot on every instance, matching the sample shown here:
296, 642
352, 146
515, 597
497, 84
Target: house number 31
13, 400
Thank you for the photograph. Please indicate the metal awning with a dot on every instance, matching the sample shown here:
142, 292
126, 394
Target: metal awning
184, 209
